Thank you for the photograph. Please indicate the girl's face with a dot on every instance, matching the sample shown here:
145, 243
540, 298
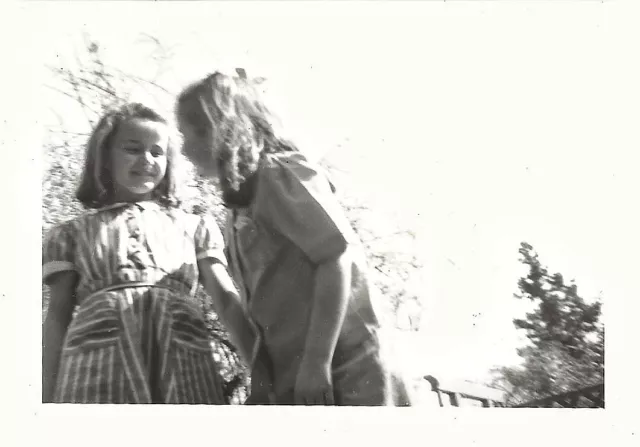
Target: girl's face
200, 148
138, 158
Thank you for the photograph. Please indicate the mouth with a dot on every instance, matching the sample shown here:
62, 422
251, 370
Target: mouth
144, 174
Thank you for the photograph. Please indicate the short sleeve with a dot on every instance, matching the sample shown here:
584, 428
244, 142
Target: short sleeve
58, 251
296, 199
208, 240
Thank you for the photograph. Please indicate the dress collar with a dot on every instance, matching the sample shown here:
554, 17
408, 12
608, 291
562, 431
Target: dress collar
144, 204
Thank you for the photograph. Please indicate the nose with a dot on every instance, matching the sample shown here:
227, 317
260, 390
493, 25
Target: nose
147, 157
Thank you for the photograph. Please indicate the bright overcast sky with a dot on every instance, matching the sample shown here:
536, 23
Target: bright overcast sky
480, 130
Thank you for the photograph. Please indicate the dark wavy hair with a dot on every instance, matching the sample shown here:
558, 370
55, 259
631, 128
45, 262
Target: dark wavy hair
96, 187
235, 129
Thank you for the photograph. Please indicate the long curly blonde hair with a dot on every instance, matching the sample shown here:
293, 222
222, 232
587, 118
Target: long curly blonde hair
234, 128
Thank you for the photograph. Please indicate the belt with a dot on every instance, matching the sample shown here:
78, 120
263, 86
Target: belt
128, 285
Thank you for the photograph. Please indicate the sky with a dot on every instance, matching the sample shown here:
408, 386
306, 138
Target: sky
476, 131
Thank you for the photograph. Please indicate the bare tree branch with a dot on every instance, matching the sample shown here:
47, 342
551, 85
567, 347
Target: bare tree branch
143, 81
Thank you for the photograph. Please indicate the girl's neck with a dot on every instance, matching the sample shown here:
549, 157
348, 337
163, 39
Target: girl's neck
128, 197
116, 202
242, 195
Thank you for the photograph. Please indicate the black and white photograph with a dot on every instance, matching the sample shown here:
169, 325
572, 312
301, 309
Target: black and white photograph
422, 205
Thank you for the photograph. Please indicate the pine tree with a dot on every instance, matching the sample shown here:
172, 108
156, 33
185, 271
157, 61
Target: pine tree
566, 349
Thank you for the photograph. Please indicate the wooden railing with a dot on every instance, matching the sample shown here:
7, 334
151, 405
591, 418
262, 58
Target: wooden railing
589, 397
462, 394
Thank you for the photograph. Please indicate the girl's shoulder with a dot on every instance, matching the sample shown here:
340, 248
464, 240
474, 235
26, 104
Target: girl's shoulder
74, 222
291, 168
192, 222
293, 171
289, 159
69, 228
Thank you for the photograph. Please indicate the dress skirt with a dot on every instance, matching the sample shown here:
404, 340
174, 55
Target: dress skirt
138, 345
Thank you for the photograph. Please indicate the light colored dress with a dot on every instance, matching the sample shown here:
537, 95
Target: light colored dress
139, 334
295, 223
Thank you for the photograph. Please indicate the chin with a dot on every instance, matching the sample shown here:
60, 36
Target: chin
142, 190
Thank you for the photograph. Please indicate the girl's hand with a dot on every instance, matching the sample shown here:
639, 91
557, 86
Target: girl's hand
313, 384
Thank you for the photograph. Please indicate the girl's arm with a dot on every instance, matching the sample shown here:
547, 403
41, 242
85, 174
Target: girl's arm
330, 301
226, 302
59, 314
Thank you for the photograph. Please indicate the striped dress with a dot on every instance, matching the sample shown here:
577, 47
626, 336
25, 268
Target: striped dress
138, 334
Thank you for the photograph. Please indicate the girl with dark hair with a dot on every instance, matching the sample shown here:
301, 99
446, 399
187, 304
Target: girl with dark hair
129, 269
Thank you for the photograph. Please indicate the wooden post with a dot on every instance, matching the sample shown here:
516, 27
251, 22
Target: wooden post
439, 398
435, 387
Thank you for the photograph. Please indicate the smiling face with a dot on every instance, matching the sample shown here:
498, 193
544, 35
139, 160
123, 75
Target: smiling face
138, 158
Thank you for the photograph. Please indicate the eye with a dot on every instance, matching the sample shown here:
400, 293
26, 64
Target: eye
157, 152
131, 149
